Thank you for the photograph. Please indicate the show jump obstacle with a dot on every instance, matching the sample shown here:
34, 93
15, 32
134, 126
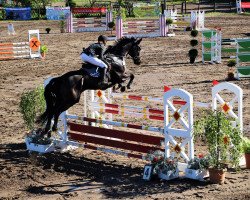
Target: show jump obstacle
196, 19
213, 46
242, 5
174, 135
158, 28
16, 50
91, 24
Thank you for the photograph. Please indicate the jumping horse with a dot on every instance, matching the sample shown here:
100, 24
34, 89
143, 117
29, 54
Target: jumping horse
64, 91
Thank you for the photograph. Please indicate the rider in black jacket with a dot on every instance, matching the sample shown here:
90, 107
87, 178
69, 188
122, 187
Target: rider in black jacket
94, 55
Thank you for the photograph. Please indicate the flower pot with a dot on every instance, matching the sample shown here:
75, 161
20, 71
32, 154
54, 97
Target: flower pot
169, 175
247, 157
196, 174
41, 148
192, 59
43, 55
217, 175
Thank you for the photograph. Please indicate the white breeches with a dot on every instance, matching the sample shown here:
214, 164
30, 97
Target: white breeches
93, 60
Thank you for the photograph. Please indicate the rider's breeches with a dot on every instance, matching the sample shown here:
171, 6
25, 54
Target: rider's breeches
93, 60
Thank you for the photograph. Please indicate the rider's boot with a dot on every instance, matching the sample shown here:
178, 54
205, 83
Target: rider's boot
103, 77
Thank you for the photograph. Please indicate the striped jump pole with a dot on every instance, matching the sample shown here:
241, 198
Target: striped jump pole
146, 28
88, 24
15, 50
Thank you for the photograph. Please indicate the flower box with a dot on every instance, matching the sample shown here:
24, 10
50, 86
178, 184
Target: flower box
41, 148
170, 175
196, 174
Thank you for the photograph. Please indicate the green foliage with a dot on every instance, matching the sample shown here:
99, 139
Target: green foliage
224, 141
31, 105
231, 63
111, 25
161, 163
246, 145
194, 33
44, 49
193, 53
193, 42
169, 21
62, 24
70, 3
199, 163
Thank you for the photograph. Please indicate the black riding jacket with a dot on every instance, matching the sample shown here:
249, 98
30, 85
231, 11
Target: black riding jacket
96, 49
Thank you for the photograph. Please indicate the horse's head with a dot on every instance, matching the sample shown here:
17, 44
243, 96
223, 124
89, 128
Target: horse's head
134, 51
125, 46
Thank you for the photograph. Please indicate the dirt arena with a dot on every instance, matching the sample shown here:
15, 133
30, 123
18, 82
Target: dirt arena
90, 175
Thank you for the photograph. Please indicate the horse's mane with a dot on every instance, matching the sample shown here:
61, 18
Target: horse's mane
119, 44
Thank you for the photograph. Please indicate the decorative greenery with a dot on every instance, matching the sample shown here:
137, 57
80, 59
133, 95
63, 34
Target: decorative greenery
62, 25
246, 145
231, 63
193, 42
194, 33
193, 53
169, 21
224, 141
44, 49
31, 105
48, 30
199, 163
160, 163
111, 26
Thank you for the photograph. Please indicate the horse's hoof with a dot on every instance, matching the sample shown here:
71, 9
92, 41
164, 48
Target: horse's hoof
128, 87
123, 89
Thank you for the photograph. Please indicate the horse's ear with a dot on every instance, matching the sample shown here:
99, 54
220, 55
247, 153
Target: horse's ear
138, 41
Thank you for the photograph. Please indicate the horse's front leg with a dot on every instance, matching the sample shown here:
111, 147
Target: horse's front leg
130, 80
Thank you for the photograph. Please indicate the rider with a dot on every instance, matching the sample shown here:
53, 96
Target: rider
94, 55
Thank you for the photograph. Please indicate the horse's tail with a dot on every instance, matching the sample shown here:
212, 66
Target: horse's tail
49, 96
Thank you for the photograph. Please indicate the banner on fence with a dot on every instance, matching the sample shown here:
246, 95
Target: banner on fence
18, 13
89, 10
57, 13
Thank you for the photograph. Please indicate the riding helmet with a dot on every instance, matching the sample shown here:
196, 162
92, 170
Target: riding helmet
102, 38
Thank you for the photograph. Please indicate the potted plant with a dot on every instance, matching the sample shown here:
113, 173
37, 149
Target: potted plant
193, 52
111, 26
43, 50
31, 105
169, 22
48, 30
231, 68
246, 150
197, 168
165, 168
223, 140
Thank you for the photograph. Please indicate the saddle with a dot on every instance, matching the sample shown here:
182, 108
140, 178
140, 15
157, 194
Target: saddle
91, 70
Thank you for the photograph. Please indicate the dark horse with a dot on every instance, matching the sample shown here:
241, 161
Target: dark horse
64, 91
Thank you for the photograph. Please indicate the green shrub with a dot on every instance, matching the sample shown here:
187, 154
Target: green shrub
194, 33
193, 42
111, 25
169, 21
231, 63
246, 145
223, 140
31, 105
193, 53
